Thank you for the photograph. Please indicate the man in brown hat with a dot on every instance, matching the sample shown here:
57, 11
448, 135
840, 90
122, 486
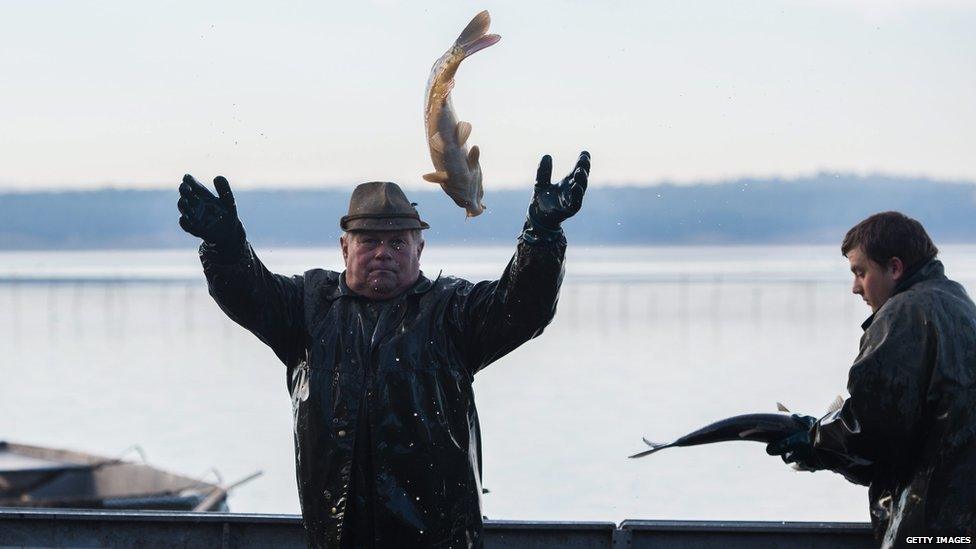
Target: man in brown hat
380, 211
380, 359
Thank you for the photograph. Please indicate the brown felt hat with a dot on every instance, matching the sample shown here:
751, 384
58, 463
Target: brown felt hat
380, 206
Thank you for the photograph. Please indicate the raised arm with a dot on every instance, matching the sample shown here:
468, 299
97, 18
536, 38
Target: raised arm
268, 305
498, 316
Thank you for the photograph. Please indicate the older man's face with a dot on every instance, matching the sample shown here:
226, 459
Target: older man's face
381, 264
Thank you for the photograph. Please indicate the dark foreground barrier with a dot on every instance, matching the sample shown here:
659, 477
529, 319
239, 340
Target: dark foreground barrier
71, 528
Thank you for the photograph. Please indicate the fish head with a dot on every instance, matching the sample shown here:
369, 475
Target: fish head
476, 189
473, 192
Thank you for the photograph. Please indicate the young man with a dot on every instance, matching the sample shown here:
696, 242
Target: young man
908, 429
380, 359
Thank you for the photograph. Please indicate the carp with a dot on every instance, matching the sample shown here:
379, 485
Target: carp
457, 169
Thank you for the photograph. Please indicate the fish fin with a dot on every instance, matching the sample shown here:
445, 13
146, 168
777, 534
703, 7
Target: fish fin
477, 29
436, 177
447, 88
474, 37
835, 405
473, 156
480, 44
781, 408
463, 132
436, 142
655, 446
642, 454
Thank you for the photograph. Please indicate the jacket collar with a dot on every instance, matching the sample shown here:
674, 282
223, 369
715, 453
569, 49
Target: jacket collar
422, 285
929, 270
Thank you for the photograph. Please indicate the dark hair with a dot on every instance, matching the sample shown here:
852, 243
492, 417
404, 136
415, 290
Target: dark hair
891, 234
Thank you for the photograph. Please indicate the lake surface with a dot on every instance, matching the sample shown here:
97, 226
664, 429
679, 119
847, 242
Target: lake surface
103, 350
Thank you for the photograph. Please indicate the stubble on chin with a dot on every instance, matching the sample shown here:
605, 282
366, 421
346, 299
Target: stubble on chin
382, 284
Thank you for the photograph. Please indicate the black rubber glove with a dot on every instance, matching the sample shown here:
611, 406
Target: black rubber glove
797, 448
554, 203
212, 218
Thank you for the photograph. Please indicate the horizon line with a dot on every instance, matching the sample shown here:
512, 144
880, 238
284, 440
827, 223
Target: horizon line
286, 187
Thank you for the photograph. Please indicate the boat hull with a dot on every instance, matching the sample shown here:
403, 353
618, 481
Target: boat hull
35, 476
37, 527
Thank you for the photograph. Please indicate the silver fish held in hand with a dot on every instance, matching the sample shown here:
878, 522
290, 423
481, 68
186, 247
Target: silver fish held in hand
457, 170
755, 427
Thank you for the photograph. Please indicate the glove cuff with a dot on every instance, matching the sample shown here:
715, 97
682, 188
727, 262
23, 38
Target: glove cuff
227, 250
534, 232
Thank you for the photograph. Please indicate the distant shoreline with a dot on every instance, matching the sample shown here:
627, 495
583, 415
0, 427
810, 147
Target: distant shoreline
814, 210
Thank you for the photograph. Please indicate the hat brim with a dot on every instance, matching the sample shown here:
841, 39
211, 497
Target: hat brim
381, 224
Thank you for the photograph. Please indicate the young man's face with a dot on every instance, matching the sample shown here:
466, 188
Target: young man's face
873, 281
381, 264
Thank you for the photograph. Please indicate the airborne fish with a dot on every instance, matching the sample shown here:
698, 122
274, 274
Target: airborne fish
756, 427
457, 171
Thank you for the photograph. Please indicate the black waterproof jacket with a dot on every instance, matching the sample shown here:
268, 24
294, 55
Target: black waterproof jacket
908, 429
408, 364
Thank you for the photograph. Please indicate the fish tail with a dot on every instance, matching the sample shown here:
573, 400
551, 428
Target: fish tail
649, 452
474, 37
655, 446
837, 404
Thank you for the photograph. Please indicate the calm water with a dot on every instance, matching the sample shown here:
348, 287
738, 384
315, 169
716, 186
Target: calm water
103, 350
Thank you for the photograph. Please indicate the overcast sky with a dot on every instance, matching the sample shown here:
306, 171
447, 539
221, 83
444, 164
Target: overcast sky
284, 94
